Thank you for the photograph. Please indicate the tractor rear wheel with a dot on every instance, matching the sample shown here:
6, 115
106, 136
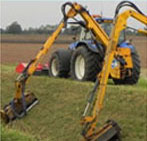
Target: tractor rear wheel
133, 79
85, 64
59, 64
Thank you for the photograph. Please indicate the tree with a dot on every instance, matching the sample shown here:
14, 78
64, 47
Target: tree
2, 30
14, 28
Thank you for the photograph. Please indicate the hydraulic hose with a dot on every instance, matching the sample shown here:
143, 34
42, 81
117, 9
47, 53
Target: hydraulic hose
129, 4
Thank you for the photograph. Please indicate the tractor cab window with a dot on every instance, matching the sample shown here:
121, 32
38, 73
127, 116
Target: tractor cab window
107, 28
86, 35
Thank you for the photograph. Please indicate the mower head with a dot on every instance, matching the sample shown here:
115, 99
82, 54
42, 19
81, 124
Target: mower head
18, 108
109, 132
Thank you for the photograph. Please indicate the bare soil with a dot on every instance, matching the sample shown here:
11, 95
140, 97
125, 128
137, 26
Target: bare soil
16, 53
32, 38
23, 52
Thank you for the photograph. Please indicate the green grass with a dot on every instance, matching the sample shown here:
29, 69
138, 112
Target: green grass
14, 135
62, 101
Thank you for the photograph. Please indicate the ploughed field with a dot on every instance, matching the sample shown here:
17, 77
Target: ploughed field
22, 48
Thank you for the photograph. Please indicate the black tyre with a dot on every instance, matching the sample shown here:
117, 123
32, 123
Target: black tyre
59, 64
133, 79
85, 64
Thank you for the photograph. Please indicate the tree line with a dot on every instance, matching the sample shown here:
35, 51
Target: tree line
15, 28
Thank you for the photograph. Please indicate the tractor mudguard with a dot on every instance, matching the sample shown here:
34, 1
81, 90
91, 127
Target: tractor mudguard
88, 43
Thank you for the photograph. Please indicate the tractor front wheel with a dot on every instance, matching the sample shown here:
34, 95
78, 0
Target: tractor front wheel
85, 64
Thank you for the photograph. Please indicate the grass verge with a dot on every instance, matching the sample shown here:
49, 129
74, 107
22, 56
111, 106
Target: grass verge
62, 101
8, 134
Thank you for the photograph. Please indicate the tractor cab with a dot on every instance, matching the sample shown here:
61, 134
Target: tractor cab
106, 24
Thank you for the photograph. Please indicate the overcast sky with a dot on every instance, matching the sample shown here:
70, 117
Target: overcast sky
37, 13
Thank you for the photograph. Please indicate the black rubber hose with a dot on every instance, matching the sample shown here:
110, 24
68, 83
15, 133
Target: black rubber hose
127, 3
71, 5
90, 99
25, 70
63, 9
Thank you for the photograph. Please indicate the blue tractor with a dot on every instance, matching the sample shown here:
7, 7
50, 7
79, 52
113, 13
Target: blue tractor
83, 60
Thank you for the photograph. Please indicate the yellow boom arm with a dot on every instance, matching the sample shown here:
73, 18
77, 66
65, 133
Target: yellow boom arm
23, 101
110, 44
91, 24
119, 24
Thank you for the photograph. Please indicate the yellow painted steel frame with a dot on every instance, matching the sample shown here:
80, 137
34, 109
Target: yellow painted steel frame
126, 54
99, 33
119, 24
142, 31
37, 59
91, 24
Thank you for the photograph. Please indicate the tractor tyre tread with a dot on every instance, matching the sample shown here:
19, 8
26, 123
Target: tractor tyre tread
93, 65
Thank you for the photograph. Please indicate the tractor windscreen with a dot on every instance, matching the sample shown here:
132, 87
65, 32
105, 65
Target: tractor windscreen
86, 34
108, 27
